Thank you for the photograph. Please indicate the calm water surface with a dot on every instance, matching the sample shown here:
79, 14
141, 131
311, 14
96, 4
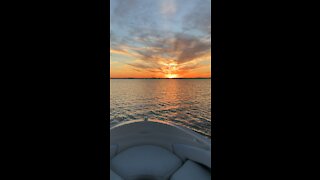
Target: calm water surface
185, 102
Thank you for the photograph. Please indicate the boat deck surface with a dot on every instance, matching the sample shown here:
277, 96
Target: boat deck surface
158, 151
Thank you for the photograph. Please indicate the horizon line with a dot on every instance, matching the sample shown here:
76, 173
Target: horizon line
166, 78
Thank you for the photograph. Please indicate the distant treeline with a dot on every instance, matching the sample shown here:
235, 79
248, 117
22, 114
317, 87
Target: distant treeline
161, 78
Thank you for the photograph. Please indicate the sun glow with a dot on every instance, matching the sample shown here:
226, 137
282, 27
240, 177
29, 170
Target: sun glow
170, 76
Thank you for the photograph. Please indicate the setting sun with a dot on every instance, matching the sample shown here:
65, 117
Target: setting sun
160, 88
170, 76
172, 40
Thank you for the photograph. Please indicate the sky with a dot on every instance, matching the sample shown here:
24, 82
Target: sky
160, 38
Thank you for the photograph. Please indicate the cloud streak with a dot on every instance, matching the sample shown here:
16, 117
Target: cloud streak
139, 33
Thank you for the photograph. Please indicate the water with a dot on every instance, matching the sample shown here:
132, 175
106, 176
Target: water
185, 102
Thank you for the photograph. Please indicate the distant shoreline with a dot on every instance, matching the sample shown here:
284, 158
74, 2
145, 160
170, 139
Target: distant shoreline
160, 78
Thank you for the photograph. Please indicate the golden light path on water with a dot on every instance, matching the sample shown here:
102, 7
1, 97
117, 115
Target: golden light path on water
184, 102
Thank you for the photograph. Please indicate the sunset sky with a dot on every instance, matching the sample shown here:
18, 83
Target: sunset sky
160, 38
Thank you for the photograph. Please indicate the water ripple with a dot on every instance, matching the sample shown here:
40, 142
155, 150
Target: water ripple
185, 102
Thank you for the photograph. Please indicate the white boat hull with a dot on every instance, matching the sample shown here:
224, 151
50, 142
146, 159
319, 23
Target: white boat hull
189, 147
